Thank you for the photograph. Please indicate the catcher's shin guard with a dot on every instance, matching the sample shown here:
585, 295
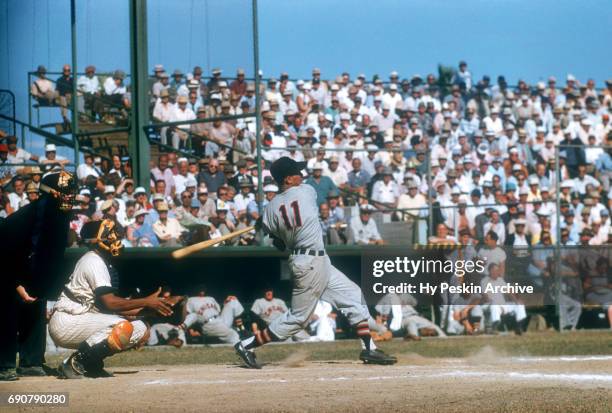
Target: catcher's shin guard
119, 338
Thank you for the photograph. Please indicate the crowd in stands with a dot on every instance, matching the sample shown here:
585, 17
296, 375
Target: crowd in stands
481, 156
482, 153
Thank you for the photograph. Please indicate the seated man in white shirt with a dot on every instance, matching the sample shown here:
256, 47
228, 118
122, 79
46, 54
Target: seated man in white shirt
43, 90
88, 168
363, 229
88, 87
181, 113
168, 230
51, 157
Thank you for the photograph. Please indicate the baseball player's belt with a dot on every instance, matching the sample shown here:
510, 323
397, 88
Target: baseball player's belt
307, 251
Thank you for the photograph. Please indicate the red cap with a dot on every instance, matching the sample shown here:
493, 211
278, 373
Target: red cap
3, 148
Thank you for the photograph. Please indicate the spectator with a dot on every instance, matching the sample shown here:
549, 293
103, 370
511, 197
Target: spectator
51, 157
88, 86
321, 184
212, 177
162, 172
364, 230
168, 230
18, 155
140, 233
45, 93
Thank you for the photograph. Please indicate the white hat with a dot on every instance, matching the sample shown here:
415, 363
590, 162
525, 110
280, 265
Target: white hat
570, 77
567, 183
386, 106
393, 74
455, 191
393, 86
106, 205
345, 116
50, 147
109, 189
317, 165
182, 159
270, 188
190, 182
586, 122
520, 221
533, 180
85, 191
140, 212
139, 190
516, 167
541, 129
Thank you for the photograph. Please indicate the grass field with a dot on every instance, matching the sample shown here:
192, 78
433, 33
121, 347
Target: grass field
540, 344
547, 372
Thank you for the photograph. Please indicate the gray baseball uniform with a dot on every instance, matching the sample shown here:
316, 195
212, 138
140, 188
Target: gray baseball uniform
215, 322
268, 310
293, 217
409, 317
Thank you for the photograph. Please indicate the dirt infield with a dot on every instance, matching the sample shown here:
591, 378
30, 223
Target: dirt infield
479, 383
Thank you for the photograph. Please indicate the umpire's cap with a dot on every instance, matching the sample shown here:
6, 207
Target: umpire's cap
284, 167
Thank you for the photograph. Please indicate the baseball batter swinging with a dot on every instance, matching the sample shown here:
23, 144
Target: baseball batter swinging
292, 220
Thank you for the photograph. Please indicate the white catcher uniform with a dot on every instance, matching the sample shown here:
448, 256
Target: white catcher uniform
293, 217
75, 316
215, 323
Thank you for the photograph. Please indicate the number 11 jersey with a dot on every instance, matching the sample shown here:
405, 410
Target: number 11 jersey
293, 217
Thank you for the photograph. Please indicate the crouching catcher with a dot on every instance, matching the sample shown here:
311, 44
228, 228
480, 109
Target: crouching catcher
91, 317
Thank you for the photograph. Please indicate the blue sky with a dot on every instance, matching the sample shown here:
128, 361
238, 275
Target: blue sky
517, 38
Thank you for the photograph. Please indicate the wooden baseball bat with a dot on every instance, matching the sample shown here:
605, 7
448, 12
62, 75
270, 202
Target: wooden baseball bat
183, 252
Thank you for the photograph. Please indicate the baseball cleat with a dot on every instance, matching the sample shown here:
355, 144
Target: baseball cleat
247, 356
8, 375
71, 368
95, 370
33, 371
376, 357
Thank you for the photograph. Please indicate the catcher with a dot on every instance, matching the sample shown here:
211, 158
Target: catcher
89, 315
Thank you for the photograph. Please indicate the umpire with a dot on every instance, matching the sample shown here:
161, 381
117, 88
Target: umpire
32, 247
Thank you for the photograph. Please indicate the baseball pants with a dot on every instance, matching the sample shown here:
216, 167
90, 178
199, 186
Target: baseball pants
220, 326
570, 310
413, 323
70, 330
496, 311
316, 278
162, 331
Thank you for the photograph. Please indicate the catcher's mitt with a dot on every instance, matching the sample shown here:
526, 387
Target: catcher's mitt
386, 336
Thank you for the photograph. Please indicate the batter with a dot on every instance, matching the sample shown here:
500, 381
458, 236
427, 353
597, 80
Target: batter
292, 220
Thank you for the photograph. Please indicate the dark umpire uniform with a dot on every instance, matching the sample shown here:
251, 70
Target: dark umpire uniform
32, 244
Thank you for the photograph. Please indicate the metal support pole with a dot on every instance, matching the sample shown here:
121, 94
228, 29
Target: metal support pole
558, 279
29, 100
138, 142
73, 103
430, 230
260, 193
